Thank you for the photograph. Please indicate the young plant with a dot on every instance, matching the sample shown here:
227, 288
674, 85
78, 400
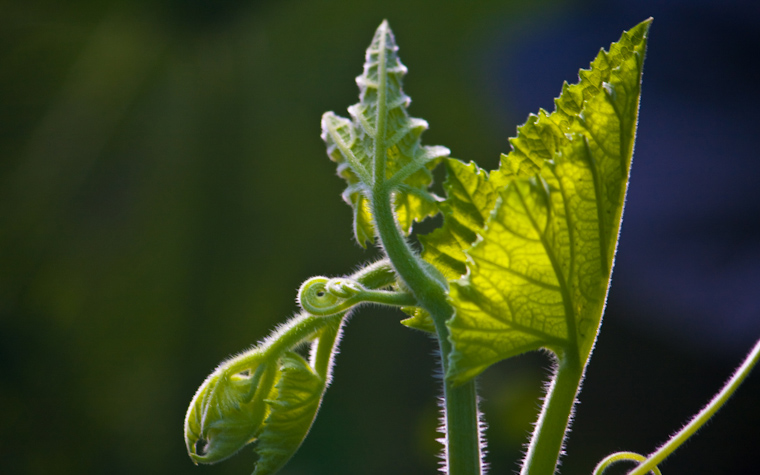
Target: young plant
522, 262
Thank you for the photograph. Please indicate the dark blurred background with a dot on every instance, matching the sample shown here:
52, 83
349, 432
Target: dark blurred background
163, 191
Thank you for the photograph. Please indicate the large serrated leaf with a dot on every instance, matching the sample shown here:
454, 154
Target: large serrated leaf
381, 143
537, 141
540, 274
542, 134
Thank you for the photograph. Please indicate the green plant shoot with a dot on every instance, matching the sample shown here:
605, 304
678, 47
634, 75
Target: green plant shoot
522, 262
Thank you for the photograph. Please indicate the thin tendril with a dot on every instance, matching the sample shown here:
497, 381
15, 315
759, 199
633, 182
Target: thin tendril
704, 415
621, 457
322, 297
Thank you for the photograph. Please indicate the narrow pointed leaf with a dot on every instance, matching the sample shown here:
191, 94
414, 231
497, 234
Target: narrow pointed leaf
419, 319
381, 143
539, 275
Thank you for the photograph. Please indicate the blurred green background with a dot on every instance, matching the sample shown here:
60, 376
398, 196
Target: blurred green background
164, 191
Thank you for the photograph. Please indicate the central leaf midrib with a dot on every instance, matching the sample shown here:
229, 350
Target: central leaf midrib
570, 313
381, 117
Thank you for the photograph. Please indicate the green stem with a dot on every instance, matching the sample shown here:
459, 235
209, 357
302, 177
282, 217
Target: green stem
703, 416
549, 434
463, 454
376, 275
299, 328
390, 298
324, 352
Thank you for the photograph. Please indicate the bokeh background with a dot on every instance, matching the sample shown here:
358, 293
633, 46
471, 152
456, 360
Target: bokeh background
163, 191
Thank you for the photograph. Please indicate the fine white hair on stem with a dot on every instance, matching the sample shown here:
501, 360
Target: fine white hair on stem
482, 442
333, 354
549, 387
443, 429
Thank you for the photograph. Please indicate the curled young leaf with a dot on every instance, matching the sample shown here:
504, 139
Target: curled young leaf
229, 409
267, 397
295, 401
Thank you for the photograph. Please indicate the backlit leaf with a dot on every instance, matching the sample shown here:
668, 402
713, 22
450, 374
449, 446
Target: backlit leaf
539, 275
470, 197
537, 141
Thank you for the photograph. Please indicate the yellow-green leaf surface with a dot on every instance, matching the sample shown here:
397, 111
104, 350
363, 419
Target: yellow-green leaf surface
539, 275
537, 141
470, 198
380, 129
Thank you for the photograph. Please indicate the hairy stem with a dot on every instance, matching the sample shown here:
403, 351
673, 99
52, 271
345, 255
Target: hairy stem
302, 326
463, 455
376, 275
323, 356
549, 434
703, 416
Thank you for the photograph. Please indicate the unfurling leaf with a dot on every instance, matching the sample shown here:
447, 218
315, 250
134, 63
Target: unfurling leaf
539, 275
267, 397
229, 408
380, 144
